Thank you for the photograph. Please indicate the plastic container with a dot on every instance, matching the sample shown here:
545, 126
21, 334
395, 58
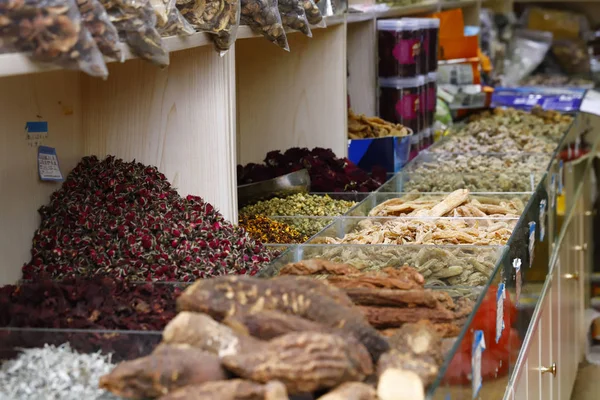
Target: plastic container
424, 121
431, 88
399, 43
434, 42
391, 152
399, 101
429, 28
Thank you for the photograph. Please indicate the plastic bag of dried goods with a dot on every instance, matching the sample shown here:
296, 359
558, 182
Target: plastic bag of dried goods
293, 16
169, 20
50, 31
527, 50
313, 14
136, 20
96, 20
264, 18
220, 18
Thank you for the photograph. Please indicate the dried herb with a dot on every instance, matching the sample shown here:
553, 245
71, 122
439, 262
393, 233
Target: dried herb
124, 219
136, 23
169, 20
96, 20
55, 373
293, 16
327, 172
51, 31
98, 303
218, 17
267, 230
264, 18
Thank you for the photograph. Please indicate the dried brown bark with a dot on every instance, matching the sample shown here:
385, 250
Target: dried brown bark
391, 297
168, 368
317, 266
304, 362
389, 317
269, 324
404, 278
233, 389
204, 333
419, 340
351, 391
303, 297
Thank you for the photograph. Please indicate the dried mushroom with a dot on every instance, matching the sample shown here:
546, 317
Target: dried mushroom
233, 389
168, 368
136, 23
362, 127
307, 298
51, 31
313, 14
304, 362
264, 18
220, 18
202, 332
293, 16
169, 20
400, 384
96, 20
351, 391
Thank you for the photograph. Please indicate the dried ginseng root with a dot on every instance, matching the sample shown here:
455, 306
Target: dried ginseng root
136, 21
51, 31
293, 16
351, 391
304, 362
220, 18
169, 20
168, 368
264, 18
96, 20
313, 14
224, 297
233, 389
204, 333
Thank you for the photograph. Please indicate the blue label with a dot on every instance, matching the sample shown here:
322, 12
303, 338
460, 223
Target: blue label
390, 153
542, 219
36, 127
48, 166
561, 166
525, 98
477, 350
500, 295
531, 242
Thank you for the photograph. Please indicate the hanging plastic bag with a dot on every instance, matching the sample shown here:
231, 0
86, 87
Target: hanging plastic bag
169, 20
220, 18
96, 20
263, 17
313, 14
50, 31
136, 20
527, 51
293, 16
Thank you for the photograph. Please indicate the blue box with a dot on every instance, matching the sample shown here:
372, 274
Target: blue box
562, 99
389, 152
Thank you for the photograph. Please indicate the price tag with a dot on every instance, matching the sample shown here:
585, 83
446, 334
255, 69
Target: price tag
500, 296
531, 242
552, 191
36, 131
569, 153
477, 350
48, 167
561, 167
542, 220
518, 278
577, 146
591, 102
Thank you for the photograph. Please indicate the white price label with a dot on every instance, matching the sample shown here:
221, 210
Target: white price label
477, 350
577, 146
455, 74
542, 220
518, 278
531, 242
552, 191
561, 170
48, 166
500, 296
591, 102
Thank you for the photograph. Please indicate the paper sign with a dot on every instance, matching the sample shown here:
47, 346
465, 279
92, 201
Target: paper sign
531, 242
500, 296
577, 146
518, 278
477, 350
542, 220
561, 167
591, 102
36, 131
552, 191
48, 166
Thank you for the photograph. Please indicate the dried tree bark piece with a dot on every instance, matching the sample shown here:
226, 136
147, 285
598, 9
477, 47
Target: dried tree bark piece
317, 266
404, 278
398, 384
304, 362
389, 317
424, 366
391, 297
168, 368
204, 333
233, 389
420, 340
269, 324
351, 391
227, 296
